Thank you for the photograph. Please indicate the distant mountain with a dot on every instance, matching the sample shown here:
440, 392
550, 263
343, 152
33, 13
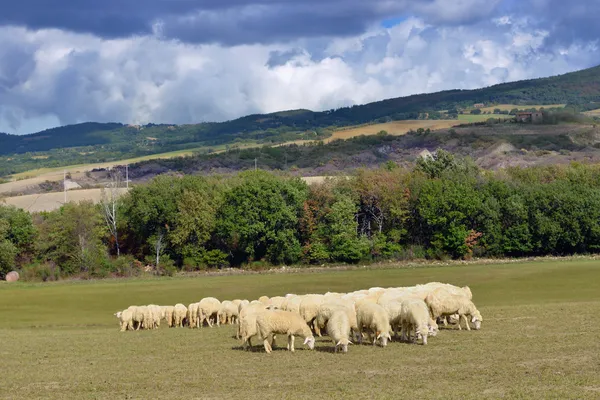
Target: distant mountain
580, 88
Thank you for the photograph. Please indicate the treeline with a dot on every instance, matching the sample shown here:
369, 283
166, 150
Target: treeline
444, 207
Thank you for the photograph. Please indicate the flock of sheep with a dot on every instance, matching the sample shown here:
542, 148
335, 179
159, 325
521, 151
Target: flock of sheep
374, 313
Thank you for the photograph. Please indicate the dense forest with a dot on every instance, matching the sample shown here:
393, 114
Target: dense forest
442, 207
98, 142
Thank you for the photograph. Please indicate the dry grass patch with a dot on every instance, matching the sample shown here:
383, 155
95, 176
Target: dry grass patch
53, 201
392, 128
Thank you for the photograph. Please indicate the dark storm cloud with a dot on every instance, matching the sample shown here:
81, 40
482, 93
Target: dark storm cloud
225, 21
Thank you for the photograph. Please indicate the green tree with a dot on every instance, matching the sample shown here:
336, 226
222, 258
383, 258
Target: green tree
259, 218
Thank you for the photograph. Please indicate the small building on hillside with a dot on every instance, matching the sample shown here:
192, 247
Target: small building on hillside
531, 117
479, 105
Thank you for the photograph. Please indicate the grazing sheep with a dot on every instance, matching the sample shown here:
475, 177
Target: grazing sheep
228, 313
208, 308
449, 304
156, 313
276, 302
167, 314
338, 328
327, 309
415, 315
192, 315
125, 319
141, 317
286, 323
179, 315
308, 310
247, 326
373, 319
393, 308
292, 304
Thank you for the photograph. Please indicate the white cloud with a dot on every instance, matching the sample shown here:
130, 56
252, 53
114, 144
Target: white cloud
49, 77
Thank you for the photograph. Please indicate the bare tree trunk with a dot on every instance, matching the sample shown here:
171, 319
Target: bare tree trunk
110, 207
158, 247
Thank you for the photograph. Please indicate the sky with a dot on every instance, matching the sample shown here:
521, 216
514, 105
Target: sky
188, 61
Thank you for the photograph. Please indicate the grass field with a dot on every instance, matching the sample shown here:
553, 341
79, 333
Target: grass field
539, 340
469, 118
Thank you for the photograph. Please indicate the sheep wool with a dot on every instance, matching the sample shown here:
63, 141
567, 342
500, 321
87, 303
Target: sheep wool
208, 310
373, 319
449, 304
415, 316
338, 329
286, 323
179, 315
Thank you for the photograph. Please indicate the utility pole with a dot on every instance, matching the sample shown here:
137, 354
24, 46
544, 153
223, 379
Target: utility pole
127, 176
65, 184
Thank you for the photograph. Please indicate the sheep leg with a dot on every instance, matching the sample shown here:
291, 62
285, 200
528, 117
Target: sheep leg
459, 327
267, 346
316, 327
273, 343
466, 321
291, 339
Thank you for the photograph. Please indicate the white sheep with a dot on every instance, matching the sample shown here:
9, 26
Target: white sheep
179, 315
141, 317
338, 328
208, 310
449, 304
247, 328
228, 313
308, 310
265, 300
192, 315
125, 319
156, 313
167, 314
327, 309
286, 323
415, 316
373, 319
292, 304
276, 302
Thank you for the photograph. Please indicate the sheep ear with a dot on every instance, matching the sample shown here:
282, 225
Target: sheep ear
473, 319
307, 340
339, 343
378, 336
349, 342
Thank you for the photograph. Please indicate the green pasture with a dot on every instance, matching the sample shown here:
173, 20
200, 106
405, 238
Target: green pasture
539, 340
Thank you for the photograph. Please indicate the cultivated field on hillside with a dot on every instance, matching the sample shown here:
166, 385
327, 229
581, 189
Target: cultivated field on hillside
52, 201
508, 107
392, 128
539, 340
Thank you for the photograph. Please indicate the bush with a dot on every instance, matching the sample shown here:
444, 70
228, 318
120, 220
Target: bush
45, 272
215, 259
126, 266
315, 253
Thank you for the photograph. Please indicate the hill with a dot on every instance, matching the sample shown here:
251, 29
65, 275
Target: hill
101, 142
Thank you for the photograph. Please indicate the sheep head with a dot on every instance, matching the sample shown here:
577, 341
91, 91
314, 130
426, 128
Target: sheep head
310, 341
476, 319
343, 344
383, 337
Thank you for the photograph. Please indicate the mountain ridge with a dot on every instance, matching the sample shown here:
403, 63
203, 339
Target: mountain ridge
579, 88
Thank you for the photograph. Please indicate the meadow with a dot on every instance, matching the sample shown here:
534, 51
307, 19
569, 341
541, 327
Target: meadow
539, 339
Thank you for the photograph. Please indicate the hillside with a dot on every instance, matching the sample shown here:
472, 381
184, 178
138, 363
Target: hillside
101, 142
